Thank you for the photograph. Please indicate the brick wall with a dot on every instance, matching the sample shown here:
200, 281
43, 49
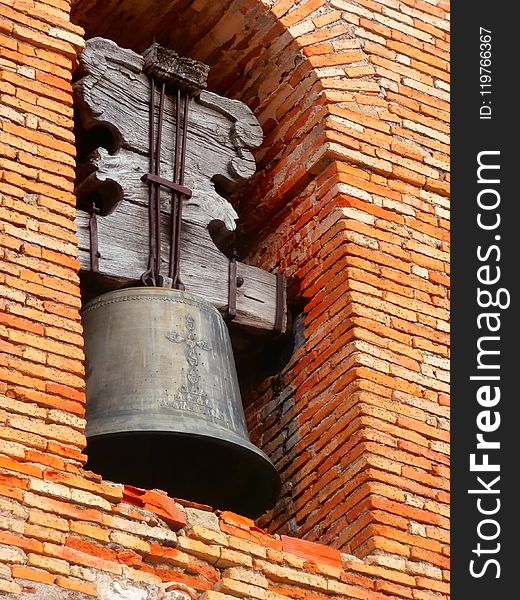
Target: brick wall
352, 201
359, 423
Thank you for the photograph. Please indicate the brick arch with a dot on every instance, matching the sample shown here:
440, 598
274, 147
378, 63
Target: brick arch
286, 61
293, 65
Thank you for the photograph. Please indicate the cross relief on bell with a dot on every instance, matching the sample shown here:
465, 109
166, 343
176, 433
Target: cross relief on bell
192, 393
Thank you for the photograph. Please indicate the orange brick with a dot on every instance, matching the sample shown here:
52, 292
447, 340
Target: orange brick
77, 585
30, 574
433, 585
380, 572
105, 490
37, 137
20, 542
387, 588
67, 452
62, 509
19, 467
71, 555
430, 557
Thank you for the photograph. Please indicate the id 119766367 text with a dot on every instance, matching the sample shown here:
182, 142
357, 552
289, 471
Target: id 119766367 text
485, 73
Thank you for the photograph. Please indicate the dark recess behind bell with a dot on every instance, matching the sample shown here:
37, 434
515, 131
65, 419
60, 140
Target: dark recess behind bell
259, 357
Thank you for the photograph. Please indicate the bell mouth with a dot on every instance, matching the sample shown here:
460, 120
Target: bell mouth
199, 468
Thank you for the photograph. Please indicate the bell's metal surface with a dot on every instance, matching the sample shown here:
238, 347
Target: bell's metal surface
163, 402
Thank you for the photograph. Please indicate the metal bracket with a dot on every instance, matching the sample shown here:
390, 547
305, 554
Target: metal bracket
234, 282
93, 233
170, 185
280, 303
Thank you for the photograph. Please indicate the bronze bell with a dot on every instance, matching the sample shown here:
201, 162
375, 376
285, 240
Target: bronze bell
163, 402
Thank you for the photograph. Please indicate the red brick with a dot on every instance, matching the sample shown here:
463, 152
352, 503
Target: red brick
311, 551
90, 548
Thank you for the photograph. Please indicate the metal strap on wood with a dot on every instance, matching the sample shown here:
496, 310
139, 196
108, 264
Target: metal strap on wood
280, 303
234, 282
177, 195
152, 276
93, 234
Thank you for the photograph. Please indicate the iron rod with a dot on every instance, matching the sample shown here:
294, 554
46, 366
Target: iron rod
148, 277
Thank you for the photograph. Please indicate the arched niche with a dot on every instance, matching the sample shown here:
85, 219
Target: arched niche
254, 58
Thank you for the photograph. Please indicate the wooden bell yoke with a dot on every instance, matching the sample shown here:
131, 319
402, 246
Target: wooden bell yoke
172, 150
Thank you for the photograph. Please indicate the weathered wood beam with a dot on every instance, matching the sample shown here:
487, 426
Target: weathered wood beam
113, 94
204, 269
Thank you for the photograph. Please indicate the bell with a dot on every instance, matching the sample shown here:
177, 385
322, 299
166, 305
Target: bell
163, 402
